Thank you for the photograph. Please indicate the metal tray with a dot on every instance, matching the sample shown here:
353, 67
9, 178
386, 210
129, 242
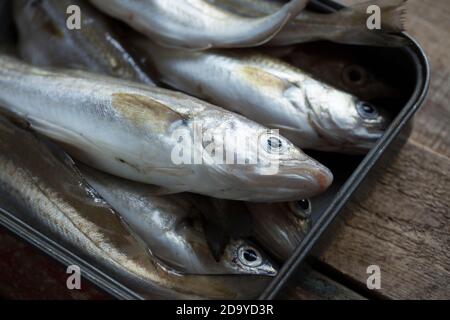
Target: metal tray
407, 66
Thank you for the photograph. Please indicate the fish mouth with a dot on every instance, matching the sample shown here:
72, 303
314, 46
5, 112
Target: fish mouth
361, 144
290, 180
308, 176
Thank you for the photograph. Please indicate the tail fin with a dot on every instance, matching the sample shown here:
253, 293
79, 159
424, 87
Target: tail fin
393, 17
349, 26
393, 13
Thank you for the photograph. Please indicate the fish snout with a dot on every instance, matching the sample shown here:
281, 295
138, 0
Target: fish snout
309, 177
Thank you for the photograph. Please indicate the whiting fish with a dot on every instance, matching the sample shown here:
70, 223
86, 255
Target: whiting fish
172, 228
280, 227
348, 26
197, 24
311, 114
133, 131
45, 40
58, 202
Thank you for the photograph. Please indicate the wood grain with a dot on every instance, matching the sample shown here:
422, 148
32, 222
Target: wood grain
313, 285
429, 23
401, 222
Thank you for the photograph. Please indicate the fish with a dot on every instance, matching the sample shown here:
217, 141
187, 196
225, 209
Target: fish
347, 26
57, 201
346, 68
197, 24
146, 134
223, 221
277, 227
280, 227
308, 112
45, 40
171, 227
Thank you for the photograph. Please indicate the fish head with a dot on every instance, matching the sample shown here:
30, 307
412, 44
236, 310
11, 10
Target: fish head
245, 258
274, 166
299, 215
342, 120
290, 168
301, 208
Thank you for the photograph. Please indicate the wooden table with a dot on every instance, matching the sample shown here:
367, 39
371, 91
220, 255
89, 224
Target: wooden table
403, 223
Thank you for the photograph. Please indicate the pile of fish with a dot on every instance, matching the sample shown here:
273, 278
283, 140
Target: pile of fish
89, 123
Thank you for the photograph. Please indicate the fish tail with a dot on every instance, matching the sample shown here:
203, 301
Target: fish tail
393, 13
262, 29
349, 26
392, 22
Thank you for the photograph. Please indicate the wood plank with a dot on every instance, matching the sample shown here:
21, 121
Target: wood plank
27, 273
402, 224
429, 23
313, 285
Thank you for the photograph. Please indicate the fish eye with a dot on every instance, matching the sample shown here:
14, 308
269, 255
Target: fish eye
366, 110
272, 143
249, 256
354, 75
301, 208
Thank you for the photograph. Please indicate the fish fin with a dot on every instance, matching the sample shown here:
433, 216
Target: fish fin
213, 221
222, 221
235, 224
372, 38
64, 136
349, 26
136, 108
393, 13
59, 153
216, 237
271, 25
23, 123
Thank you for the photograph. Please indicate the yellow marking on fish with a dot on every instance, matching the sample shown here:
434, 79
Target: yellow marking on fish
261, 78
144, 111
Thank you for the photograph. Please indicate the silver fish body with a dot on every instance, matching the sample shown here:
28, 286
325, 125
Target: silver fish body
348, 26
198, 24
280, 227
57, 201
133, 131
311, 114
171, 227
45, 40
